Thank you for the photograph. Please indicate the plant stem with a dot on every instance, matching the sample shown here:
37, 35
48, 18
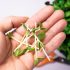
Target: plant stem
21, 43
35, 44
25, 39
43, 48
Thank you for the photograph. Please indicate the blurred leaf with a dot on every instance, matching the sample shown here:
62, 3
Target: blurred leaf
35, 29
24, 26
36, 62
27, 33
30, 48
10, 34
67, 29
19, 52
67, 14
41, 35
39, 45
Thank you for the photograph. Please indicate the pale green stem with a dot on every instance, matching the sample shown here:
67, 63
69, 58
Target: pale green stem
43, 49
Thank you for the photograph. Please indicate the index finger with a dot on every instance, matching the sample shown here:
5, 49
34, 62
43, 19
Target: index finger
11, 22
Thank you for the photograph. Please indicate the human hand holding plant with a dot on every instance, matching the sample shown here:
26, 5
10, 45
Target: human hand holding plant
51, 20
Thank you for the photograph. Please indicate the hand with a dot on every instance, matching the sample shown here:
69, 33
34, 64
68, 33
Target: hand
52, 20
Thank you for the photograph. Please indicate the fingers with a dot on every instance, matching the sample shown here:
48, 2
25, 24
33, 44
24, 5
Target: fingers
58, 27
4, 48
55, 42
56, 16
40, 16
11, 22
43, 14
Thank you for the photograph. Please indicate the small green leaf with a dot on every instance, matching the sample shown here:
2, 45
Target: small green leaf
67, 14
39, 46
68, 19
9, 35
68, 57
30, 48
36, 62
40, 58
56, 7
35, 29
67, 4
27, 33
24, 26
41, 35
45, 29
19, 52
67, 29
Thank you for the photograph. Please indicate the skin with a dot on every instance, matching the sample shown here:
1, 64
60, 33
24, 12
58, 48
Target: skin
52, 20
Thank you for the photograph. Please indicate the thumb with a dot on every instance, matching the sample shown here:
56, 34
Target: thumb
3, 48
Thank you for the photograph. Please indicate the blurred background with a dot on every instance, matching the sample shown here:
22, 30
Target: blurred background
28, 8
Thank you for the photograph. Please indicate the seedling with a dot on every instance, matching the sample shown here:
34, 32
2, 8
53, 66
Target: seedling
38, 34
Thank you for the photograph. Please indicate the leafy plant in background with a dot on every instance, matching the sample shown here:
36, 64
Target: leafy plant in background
65, 6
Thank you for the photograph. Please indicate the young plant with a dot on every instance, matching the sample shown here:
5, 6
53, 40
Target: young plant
38, 35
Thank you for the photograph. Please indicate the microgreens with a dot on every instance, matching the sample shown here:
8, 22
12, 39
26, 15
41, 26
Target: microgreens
38, 33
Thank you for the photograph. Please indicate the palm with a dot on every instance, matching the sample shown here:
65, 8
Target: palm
13, 62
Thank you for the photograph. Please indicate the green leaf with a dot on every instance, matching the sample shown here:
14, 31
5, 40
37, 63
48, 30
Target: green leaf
68, 43
67, 29
19, 52
44, 29
56, 7
68, 57
39, 45
67, 14
24, 26
68, 20
67, 4
41, 35
35, 29
10, 34
36, 62
30, 48
27, 33
40, 58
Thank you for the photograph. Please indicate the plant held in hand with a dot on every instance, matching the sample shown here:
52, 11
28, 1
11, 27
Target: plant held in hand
38, 34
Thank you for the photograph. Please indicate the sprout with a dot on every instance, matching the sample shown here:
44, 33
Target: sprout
38, 33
